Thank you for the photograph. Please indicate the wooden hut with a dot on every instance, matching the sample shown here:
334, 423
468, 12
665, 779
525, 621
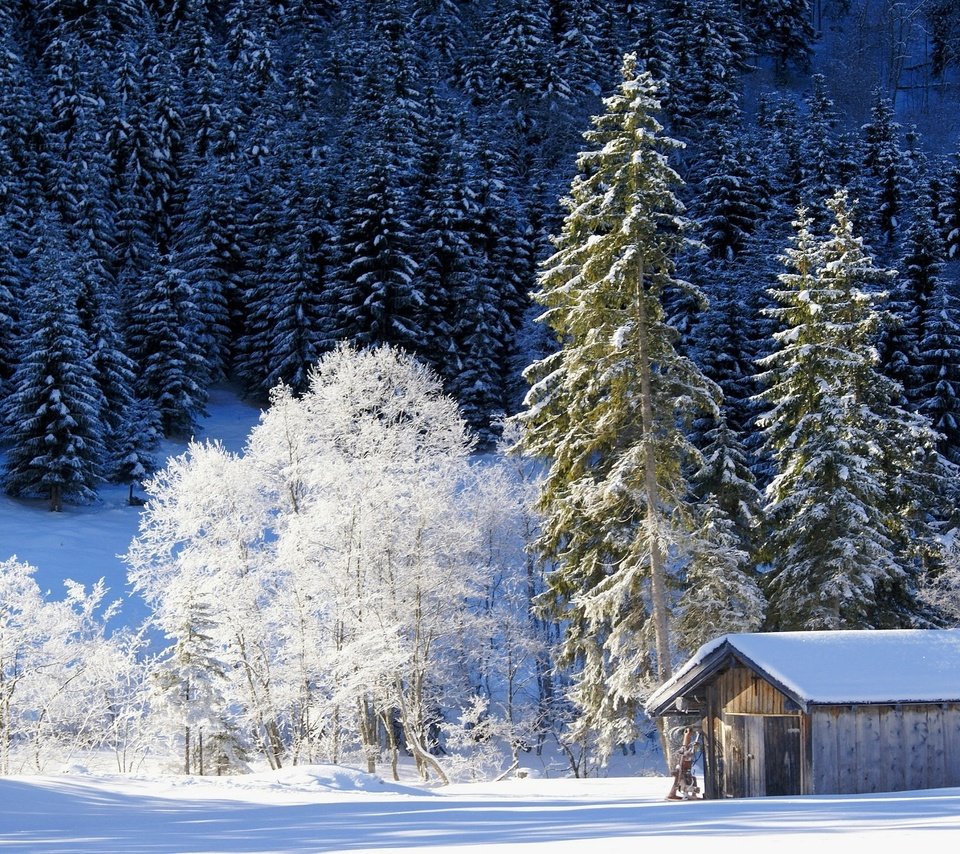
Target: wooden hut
799, 713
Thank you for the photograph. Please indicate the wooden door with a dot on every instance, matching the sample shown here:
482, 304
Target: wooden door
781, 737
761, 755
755, 777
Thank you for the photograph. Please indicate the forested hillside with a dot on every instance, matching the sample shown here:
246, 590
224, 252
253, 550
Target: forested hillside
196, 189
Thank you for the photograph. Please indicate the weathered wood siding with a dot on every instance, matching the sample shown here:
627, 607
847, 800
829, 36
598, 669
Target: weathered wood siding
740, 691
885, 748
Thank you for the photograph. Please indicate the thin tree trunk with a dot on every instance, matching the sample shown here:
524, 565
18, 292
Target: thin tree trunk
658, 594
387, 720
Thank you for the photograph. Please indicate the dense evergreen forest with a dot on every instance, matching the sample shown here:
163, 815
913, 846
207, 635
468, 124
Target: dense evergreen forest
193, 190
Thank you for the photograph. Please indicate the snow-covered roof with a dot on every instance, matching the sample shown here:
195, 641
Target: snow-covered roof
827, 668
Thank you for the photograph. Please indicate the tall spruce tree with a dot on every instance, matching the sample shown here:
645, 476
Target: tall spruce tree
606, 410
52, 418
884, 162
931, 328
852, 465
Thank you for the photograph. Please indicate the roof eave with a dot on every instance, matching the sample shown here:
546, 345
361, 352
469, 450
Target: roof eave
665, 698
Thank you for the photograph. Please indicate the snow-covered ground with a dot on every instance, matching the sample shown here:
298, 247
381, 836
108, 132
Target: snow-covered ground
327, 809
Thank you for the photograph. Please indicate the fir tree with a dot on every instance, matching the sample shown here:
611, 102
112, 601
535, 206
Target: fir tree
820, 142
606, 409
12, 287
910, 304
722, 593
378, 298
728, 203
838, 508
445, 264
782, 29
951, 208
930, 329
163, 340
884, 163
191, 687
52, 418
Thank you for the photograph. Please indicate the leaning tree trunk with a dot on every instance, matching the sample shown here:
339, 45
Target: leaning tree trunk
411, 733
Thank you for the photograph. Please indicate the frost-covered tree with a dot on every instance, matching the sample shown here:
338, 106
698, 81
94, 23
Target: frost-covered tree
57, 670
385, 454
198, 563
190, 682
848, 458
338, 565
606, 410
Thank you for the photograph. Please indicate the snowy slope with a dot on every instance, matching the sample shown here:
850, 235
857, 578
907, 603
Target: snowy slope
84, 542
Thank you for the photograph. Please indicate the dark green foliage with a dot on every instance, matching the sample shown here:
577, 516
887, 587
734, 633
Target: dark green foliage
52, 418
852, 465
163, 338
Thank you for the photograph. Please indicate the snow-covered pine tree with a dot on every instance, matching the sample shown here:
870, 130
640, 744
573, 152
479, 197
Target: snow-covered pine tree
727, 204
850, 462
722, 593
207, 247
12, 287
163, 339
191, 691
932, 328
725, 337
523, 71
441, 21
884, 163
446, 263
378, 301
606, 410
910, 301
51, 421
709, 50
286, 311
582, 44
781, 29
819, 145
951, 208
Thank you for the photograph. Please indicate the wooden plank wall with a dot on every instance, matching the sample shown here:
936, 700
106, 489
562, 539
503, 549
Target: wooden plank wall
885, 748
742, 692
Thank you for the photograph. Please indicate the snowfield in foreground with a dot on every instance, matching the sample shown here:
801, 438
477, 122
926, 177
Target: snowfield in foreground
328, 809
